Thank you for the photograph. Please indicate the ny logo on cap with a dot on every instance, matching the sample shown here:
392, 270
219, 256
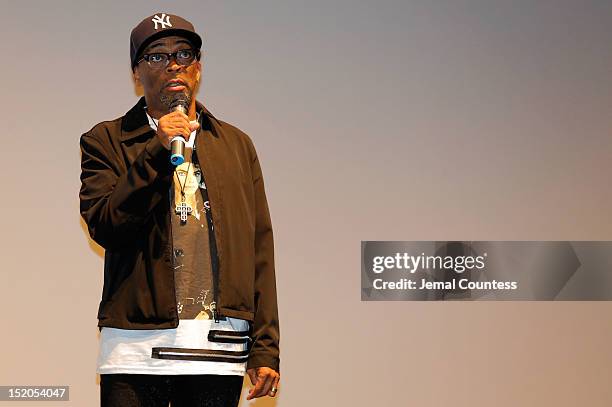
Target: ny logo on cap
157, 19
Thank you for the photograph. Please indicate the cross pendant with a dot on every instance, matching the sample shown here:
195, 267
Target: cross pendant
184, 210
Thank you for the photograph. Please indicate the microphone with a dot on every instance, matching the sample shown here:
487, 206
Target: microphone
177, 145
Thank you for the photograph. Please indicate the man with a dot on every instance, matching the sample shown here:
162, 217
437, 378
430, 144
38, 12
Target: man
189, 296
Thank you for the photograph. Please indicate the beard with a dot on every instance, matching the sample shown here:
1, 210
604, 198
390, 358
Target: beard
169, 100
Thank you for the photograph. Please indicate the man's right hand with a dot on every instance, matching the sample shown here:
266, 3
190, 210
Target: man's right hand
174, 124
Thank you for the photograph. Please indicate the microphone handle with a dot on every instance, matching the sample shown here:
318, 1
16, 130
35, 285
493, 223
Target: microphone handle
177, 145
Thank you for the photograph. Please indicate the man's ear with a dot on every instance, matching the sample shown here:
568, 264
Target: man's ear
199, 71
138, 88
136, 75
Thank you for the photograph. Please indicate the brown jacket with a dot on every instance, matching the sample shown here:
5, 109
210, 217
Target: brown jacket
126, 178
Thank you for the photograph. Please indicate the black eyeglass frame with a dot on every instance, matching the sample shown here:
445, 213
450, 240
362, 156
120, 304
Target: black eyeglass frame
170, 55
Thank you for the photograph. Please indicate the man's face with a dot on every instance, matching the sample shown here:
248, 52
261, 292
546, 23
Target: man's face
158, 85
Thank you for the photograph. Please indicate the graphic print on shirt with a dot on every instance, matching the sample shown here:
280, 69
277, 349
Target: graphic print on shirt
188, 177
192, 264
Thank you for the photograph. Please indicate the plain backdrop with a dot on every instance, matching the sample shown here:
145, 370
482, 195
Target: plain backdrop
373, 120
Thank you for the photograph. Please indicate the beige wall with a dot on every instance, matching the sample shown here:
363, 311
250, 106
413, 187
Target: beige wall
415, 120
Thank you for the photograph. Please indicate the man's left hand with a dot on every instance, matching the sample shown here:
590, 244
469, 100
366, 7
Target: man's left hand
264, 379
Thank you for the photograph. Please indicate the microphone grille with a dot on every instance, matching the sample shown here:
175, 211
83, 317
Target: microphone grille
180, 101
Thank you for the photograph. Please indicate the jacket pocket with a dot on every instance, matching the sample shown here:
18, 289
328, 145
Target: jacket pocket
208, 355
216, 335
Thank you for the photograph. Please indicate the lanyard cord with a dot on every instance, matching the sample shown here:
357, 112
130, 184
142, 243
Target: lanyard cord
179, 181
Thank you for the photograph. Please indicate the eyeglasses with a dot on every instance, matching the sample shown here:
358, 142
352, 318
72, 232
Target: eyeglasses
183, 57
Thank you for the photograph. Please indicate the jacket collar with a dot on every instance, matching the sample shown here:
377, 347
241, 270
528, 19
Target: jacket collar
135, 122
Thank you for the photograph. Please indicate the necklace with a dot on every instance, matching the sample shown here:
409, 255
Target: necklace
183, 208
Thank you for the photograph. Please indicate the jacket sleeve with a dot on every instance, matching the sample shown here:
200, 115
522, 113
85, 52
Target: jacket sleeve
115, 204
266, 334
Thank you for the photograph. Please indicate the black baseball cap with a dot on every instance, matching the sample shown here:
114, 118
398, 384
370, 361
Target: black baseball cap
157, 26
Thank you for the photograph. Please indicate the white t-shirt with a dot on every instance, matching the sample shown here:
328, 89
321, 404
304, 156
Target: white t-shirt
183, 350
196, 346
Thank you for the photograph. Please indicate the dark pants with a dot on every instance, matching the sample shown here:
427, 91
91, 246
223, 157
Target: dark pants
143, 390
